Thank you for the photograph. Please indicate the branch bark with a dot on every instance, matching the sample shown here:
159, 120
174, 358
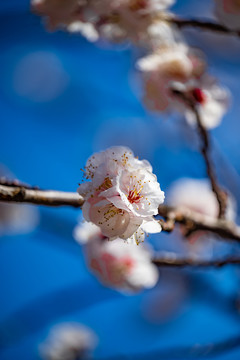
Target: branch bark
221, 196
194, 221
201, 24
170, 260
22, 194
191, 220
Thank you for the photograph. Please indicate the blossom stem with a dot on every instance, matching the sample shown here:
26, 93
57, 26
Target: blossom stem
201, 24
205, 150
220, 194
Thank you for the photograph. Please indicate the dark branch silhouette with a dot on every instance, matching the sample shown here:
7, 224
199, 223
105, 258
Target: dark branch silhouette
205, 151
201, 24
171, 260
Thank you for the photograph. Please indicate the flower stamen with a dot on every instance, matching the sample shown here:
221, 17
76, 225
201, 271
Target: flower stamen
134, 195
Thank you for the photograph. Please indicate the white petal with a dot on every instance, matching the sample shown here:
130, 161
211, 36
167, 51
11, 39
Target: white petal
151, 227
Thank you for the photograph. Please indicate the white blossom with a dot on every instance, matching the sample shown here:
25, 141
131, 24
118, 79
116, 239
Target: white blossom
170, 64
120, 265
196, 195
115, 20
122, 195
68, 341
58, 12
228, 13
178, 68
211, 100
86, 29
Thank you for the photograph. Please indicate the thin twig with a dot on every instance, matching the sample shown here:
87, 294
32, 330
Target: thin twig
201, 24
221, 196
16, 183
170, 260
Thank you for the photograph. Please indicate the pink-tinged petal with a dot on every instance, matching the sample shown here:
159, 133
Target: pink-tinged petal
125, 267
112, 221
228, 13
133, 227
85, 210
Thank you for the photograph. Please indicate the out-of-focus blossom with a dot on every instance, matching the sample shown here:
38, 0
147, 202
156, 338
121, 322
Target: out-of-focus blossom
122, 194
162, 69
177, 68
68, 341
115, 20
15, 218
196, 195
58, 12
211, 101
120, 265
228, 13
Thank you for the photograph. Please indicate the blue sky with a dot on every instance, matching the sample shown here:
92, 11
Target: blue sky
61, 99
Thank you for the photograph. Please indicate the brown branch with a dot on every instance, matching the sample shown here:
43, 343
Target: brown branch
191, 220
194, 221
201, 24
40, 197
221, 196
170, 260
16, 183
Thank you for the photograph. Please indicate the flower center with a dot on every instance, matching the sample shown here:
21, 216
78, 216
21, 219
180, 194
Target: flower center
134, 195
199, 96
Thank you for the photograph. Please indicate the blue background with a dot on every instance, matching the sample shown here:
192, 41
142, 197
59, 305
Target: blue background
55, 112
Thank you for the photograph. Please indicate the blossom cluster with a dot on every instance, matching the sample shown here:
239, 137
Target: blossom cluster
121, 193
175, 67
114, 20
170, 65
121, 197
123, 266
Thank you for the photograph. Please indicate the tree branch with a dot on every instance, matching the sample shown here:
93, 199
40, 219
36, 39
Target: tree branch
221, 196
201, 24
40, 197
194, 221
191, 220
171, 260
